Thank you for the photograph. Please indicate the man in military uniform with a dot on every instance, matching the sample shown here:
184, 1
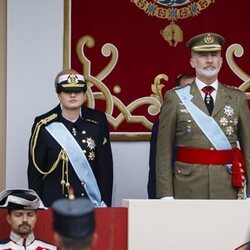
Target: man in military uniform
181, 80
69, 148
74, 224
22, 205
209, 122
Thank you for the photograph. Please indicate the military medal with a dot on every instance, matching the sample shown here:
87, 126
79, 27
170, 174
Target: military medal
228, 111
208, 98
90, 143
229, 121
208, 90
229, 130
91, 156
223, 121
74, 131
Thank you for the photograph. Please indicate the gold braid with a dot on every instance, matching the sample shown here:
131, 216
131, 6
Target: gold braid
33, 143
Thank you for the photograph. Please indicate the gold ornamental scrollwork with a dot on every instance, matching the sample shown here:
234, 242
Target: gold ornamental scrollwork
172, 10
153, 101
238, 51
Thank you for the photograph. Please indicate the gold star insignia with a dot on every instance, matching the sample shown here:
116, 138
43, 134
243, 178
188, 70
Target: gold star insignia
91, 143
91, 156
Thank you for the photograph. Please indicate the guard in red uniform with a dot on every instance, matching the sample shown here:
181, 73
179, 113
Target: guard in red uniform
22, 205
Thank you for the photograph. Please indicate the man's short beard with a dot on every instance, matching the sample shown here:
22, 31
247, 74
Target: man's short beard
208, 73
23, 232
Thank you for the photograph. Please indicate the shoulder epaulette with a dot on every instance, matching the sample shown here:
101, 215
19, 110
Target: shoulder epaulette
48, 119
176, 87
231, 87
180, 87
92, 121
33, 142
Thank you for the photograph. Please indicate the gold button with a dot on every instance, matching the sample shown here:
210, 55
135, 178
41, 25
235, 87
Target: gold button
83, 141
84, 151
82, 194
84, 132
212, 148
82, 183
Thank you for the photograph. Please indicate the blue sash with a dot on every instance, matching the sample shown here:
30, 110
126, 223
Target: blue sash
78, 161
206, 123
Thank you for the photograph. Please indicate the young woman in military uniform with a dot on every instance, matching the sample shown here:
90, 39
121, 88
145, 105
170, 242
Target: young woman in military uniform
69, 151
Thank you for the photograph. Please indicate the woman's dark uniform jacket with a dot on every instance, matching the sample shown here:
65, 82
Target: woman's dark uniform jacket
92, 124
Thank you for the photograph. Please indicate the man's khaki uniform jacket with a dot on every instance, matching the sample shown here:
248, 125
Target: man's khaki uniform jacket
178, 128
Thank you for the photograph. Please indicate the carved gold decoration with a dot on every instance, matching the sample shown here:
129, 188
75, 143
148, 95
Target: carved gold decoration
126, 112
172, 11
172, 33
117, 89
237, 50
157, 87
153, 101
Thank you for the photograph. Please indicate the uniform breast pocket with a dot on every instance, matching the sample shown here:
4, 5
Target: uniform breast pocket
182, 179
182, 169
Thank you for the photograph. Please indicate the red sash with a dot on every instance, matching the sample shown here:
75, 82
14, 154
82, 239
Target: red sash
216, 157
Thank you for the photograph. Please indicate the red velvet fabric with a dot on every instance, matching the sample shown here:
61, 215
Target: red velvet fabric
143, 53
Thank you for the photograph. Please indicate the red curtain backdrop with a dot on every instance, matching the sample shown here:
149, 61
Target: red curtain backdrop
142, 51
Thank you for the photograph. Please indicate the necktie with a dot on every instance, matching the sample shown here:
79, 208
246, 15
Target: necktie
208, 98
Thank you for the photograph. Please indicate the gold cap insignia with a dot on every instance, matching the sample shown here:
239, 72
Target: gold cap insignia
71, 82
72, 79
206, 42
208, 39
